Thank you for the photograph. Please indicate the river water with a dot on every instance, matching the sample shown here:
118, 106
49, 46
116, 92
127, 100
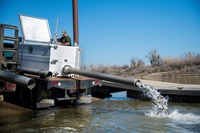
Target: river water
112, 115
117, 114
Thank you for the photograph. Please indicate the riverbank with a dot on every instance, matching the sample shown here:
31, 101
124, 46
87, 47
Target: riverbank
174, 74
171, 77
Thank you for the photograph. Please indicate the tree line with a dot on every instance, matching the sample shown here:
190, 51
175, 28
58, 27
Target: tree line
188, 62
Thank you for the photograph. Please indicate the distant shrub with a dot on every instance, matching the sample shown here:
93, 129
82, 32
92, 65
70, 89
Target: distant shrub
133, 63
187, 59
172, 62
154, 58
136, 63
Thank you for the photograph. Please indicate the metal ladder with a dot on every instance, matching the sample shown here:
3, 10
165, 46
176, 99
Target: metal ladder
9, 44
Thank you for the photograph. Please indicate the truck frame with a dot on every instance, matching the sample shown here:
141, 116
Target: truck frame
41, 74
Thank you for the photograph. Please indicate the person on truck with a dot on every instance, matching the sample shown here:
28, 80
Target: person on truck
65, 40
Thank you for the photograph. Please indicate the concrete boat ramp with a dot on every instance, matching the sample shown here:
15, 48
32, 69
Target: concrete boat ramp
189, 93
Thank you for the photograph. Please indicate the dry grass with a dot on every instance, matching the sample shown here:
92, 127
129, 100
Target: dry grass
188, 63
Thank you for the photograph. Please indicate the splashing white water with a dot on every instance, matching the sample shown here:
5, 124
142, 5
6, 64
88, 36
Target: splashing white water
160, 107
159, 102
177, 117
188, 118
85, 99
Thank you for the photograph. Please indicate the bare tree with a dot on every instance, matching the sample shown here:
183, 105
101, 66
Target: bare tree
133, 63
92, 67
84, 67
140, 63
154, 58
136, 63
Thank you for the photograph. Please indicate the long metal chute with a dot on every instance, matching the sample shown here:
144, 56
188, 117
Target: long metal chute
101, 76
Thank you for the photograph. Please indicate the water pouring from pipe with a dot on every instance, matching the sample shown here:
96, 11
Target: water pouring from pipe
159, 102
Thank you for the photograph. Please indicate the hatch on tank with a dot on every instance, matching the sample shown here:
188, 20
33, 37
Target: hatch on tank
36, 50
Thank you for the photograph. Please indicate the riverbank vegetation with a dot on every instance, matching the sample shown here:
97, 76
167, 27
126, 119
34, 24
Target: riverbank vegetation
187, 64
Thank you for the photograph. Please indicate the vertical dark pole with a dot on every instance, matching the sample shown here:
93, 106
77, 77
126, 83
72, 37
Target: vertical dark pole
75, 22
1, 45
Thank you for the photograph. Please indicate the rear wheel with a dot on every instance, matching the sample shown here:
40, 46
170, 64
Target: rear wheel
21, 97
25, 96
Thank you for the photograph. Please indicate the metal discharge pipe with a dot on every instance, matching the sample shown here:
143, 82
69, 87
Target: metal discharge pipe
75, 22
17, 79
101, 76
40, 72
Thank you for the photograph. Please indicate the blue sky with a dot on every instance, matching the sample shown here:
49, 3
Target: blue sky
111, 32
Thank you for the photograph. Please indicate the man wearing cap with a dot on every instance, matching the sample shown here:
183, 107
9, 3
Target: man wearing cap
65, 40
